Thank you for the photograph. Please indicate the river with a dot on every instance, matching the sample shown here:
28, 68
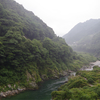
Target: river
92, 64
44, 93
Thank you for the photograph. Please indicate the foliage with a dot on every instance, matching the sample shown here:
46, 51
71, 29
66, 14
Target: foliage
87, 57
29, 48
84, 86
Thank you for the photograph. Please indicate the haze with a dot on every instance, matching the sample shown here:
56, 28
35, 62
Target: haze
62, 15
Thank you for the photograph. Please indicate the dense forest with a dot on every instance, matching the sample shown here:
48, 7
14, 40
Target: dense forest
85, 86
29, 50
85, 37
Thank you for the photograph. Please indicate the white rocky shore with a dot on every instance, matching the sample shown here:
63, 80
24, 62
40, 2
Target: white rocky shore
11, 92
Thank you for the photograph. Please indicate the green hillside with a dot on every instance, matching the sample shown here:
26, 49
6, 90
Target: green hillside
29, 50
90, 44
85, 37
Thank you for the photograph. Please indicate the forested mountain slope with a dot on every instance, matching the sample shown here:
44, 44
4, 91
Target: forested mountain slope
29, 50
85, 37
14, 17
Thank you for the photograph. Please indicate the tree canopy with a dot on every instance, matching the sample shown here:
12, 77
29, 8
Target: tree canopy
28, 47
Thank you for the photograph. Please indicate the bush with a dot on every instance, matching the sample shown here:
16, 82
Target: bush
90, 80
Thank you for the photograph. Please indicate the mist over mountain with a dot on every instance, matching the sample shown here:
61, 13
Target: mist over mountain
85, 37
81, 30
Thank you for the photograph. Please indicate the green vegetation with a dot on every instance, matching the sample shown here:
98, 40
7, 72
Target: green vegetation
29, 50
84, 86
92, 46
87, 57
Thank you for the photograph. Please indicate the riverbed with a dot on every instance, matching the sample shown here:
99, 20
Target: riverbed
91, 65
43, 93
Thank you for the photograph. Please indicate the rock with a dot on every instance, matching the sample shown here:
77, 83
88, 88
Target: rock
2, 94
33, 84
9, 85
44, 77
19, 89
56, 76
14, 85
29, 76
10, 93
16, 91
63, 73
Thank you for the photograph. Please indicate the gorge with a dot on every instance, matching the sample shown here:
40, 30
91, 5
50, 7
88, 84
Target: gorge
44, 92
31, 53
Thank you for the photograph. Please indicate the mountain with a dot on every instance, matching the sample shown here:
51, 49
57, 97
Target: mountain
84, 37
30, 52
23, 20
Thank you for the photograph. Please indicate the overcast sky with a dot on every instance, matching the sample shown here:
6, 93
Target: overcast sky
63, 15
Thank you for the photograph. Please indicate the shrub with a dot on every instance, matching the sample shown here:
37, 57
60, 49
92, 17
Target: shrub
90, 80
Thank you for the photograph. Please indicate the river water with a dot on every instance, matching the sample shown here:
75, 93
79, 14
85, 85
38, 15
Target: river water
92, 64
44, 93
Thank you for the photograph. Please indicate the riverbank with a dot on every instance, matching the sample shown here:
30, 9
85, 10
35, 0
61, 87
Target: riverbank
12, 91
91, 65
43, 93
84, 86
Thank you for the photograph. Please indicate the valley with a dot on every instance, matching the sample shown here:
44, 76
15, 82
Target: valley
34, 61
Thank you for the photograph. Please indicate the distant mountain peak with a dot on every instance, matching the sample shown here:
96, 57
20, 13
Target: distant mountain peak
85, 37
81, 30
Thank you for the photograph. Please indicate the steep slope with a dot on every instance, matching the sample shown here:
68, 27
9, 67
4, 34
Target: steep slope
17, 18
82, 30
84, 37
90, 44
29, 50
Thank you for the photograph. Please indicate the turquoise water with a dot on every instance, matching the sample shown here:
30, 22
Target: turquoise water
44, 93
